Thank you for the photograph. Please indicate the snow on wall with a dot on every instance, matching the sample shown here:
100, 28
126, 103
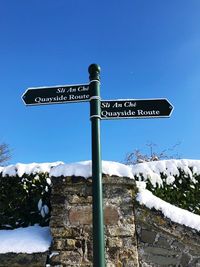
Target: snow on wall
32, 168
56, 169
149, 170
29, 240
175, 214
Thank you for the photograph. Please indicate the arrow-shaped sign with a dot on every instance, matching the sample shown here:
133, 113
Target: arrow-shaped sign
56, 94
135, 108
110, 109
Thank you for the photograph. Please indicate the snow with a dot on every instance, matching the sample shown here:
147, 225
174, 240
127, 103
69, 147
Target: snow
29, 240
20, 169
149, 170
84, 169
39, 238
178, 215
152, 170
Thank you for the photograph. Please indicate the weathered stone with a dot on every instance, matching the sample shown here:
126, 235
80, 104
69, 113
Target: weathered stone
160, 242
127, 219
129, 256
174, 245
76, 199
116, 192
80, 215
127, 209
70, 243
185, 259
87, 229
114, 242
23, 259
163, 243
177, 245
76, 217
162, 260
56, 221
61, 232
160, 251
71, 257
195, 262
113, 254
110, 264
148, 236
121, 231
111, 215
83, 215
59, 244
129, 242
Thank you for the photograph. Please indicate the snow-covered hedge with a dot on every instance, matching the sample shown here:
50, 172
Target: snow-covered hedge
25, 188
24, 200
175, 181
25, 195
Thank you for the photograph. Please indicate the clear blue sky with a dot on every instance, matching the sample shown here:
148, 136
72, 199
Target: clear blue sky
146, 49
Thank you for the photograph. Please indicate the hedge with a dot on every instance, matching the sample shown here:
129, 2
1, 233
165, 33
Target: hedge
180, 190
24, 201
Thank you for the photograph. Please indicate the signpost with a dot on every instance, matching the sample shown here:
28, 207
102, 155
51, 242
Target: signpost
97, 192
56, 94
135, 108
107, 109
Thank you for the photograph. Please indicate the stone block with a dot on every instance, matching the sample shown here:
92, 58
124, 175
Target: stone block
127, 210
58, 244
80, 215
56, 221
185, 259
129, 242
123, 231
114, 242
71, 257
116, 192
148, 236
111, 215
127, 219
65, 232
160, 251
129, 256
163, 243
76, 199
23, 259
162, 261
70, 244
59, 232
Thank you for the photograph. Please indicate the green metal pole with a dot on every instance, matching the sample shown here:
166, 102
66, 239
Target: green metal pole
98, 223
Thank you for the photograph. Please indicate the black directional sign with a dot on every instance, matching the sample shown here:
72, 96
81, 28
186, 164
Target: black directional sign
135, 108
110, 109
56, 94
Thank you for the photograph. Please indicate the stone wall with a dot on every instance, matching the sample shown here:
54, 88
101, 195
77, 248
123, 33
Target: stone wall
134, 235
71, 222
164, 243
23, 259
